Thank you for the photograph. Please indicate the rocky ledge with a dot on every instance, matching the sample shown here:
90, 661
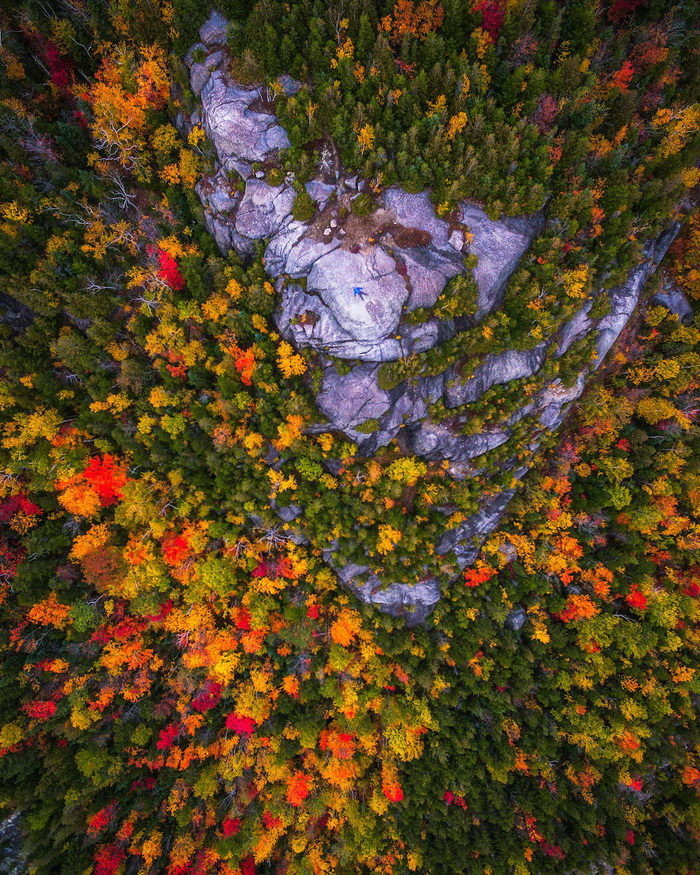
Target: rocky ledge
362, 282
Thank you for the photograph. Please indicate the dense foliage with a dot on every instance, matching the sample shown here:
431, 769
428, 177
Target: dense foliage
184, 686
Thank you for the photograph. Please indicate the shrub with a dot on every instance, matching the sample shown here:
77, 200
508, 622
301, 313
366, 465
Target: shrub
304, 207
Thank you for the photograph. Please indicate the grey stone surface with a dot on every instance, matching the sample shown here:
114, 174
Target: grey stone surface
434, 441
499, 246
552, 403
366, 326
290, 251
304, 319
234, 128
197, 48
465, 538
200, 71
214, 59
578, 326
375, 313
320, 192
289, 512
263, 209
674, 300
428, 271
199, 74
213, 31
516, 619
220, 200
624, 299
353, 398
513, 364
414, 602
289, 86
12, 859
416, 211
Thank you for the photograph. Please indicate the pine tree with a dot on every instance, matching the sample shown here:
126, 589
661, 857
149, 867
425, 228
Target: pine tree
365, 39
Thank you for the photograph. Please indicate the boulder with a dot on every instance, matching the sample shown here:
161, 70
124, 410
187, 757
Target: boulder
236, 130
414, 602
416, 211
196, 49
263, 209
289, 512
427, 272
465, 539
214, 30
200, 72
350, 399
499, 246
373, 312
305, 320
199, 75
218, 193
513, 364
434, 441
410, 406
220, 201
289, 86
296, 253
320, 192
578, 326
516, 619
674, 300
553, 402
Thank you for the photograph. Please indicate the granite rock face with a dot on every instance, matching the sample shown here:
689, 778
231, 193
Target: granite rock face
674, 300
213, 31
263, 209
414, 601
348, 283
499, 246
351, 399
240, 133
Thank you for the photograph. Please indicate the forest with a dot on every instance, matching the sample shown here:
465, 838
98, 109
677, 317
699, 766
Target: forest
186, 685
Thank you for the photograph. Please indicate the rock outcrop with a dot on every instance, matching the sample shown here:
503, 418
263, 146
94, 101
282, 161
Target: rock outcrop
357, 286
